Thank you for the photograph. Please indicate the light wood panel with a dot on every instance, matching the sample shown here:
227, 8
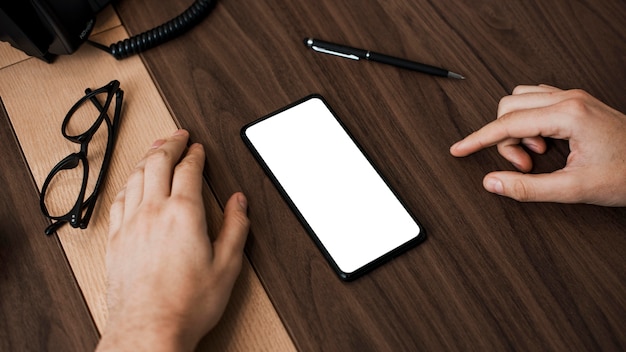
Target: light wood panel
37, 285
10, 55
37, 97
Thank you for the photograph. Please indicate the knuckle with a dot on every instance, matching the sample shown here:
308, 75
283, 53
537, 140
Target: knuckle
149, 208
518, 89
136, 173
576, 106
158, 155
507, 115
120, 197
244, 220
503, 105
521, 192
578, 94
184, 202
577, 101
240, 219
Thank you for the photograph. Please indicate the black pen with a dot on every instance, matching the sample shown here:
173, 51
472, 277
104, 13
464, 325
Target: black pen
357, 54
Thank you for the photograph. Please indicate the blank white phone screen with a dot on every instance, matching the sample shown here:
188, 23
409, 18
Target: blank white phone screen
342, 198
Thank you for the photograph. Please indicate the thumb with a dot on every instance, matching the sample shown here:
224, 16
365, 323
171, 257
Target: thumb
232, 237
559, 186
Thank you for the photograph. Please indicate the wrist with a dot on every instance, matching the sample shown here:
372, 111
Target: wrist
145, 335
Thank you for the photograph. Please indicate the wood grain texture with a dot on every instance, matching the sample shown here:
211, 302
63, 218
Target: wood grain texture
41, 306
38, 96
494, 274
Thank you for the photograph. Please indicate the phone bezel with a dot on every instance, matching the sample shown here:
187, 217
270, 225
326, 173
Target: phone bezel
346, 276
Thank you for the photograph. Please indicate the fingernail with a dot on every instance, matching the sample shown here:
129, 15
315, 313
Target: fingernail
454, 147
243, 202
197, 145
494, 185
180, 132
533, 147
157, 143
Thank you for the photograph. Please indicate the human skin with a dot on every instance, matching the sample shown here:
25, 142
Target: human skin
595, 171
168, 284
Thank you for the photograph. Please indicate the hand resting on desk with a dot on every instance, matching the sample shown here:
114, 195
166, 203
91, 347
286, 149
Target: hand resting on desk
167, 283
595, 172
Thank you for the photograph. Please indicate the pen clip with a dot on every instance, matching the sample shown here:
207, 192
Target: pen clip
326, 51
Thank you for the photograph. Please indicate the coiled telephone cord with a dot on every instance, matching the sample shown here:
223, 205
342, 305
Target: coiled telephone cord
161, 34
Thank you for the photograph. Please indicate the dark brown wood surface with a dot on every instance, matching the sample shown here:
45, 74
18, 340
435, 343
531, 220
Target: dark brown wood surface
41, 307
494, 274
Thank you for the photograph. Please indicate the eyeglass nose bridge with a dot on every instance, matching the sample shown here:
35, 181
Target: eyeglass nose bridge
69, 162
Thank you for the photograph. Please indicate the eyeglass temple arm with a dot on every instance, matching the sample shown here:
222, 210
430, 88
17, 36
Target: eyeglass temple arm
113, 124
119, 94
52, 228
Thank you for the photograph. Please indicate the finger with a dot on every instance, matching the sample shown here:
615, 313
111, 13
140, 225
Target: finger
135, 183
160, 162
513, 103
546, 122
541, 88
523, 99
536, 144
116, 213
514, 153
550, 87
228, 246
529, 97
133, 191
187, 178
553, 187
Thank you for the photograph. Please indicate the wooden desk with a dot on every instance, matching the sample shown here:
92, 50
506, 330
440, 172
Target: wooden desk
52, 291
494, 274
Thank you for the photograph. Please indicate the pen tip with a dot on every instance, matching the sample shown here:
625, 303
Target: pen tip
308, 42
455, 75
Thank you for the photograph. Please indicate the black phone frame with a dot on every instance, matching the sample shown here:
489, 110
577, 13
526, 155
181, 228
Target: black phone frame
367, 267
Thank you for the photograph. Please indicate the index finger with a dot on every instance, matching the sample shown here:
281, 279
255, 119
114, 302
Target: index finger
187, 177
546, 122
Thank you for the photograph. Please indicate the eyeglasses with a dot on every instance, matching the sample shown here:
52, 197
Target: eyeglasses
81, 124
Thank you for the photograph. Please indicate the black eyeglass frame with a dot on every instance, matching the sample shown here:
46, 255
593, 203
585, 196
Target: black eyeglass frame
80, 213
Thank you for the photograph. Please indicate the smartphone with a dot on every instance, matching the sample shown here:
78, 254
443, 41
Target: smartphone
355, 218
